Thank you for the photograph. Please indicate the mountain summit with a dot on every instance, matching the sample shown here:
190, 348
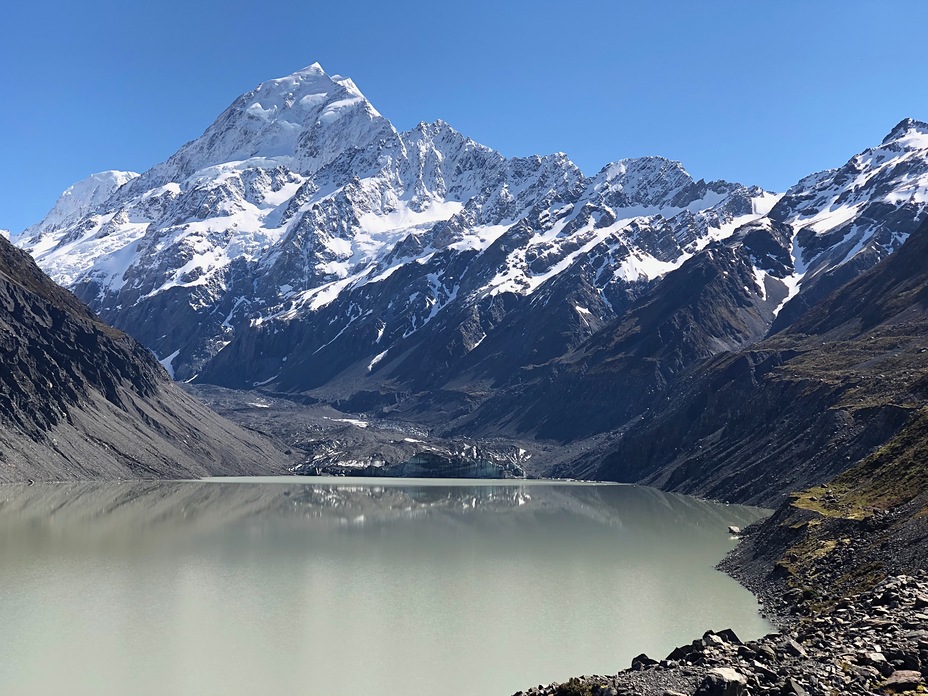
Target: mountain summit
303, 121
301, 205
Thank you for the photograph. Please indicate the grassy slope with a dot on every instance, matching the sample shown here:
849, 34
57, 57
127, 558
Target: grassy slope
870, 521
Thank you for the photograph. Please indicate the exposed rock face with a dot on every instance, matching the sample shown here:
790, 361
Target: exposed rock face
799, 407
81, 400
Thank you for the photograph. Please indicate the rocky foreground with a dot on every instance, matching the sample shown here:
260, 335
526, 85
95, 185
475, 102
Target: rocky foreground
875, 642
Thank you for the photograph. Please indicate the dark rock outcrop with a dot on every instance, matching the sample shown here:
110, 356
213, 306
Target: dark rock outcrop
800, 407
81, 400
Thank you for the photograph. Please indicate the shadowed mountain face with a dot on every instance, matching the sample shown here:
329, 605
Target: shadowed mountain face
797, 408
705, 308
79, 399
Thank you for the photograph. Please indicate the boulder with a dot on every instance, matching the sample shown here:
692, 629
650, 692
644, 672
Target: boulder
729, 636
903, 680
792, 688
791, 647
642, 662
723, 681
767, 653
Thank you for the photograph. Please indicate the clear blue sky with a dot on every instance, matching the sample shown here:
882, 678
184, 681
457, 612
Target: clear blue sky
757, 91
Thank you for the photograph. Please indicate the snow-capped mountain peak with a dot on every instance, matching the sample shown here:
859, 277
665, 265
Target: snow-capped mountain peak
845, 220
76, 202
301, 200
909, 133
81, 198
644, 180
303, 121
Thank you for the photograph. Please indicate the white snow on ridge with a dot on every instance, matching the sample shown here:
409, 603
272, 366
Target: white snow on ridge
385, 228
351, 421
763, 204
831, 203
377, 359
793, 283
760, 277
302, 202
78, 200
637, 266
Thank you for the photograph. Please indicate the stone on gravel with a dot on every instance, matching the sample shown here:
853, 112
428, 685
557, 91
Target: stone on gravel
903, 680
792, 687
729, 636
723, 681
642, 661
793, 648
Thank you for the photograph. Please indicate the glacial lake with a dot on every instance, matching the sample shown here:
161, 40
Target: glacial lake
343, 587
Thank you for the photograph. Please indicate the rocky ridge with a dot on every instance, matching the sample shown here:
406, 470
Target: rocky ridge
80, 400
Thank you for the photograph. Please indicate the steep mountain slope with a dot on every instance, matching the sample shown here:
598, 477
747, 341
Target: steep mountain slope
797, 408
845, 536
711, 304
846, 220
81, 400
305, 230
724, 299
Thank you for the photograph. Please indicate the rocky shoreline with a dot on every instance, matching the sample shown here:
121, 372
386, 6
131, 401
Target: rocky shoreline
872, 642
